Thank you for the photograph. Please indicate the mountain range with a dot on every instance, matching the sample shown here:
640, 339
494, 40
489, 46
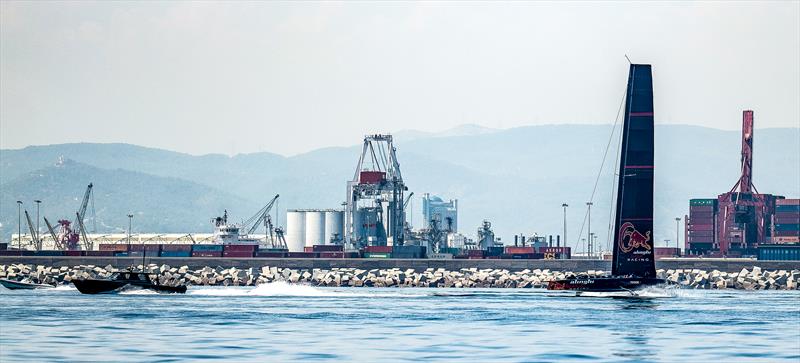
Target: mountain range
516, 178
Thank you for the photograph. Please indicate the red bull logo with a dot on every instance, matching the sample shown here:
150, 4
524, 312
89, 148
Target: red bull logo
631, 239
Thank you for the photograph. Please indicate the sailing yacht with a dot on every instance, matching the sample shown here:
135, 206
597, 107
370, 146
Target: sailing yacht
633, 262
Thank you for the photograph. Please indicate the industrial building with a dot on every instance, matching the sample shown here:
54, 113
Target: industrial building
738, 221
437, 210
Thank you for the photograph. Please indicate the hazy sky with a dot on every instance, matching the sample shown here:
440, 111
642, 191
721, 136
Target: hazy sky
289, 77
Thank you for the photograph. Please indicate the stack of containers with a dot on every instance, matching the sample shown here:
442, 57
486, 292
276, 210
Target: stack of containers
475, 254
274, 253
207, 251
517, 253
787, 221
98, 253
494, 252
176, 250
239, 250
410, 251
557, 253
118, 249
702, 213
378, 252
301, 254
144, 249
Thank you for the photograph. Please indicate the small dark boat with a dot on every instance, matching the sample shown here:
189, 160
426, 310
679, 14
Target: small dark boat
633, 265
23, 285
124, 279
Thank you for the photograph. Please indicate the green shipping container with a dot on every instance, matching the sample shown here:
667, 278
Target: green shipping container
698, 202
377, 255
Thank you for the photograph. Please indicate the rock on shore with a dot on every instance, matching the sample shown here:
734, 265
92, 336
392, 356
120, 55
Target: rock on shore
746, 279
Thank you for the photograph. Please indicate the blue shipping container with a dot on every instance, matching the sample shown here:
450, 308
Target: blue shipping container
176, 254
207, 248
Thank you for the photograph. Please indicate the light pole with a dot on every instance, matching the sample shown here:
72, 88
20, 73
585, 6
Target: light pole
565, 205
589, 204
19, 224
678, 234
130, 221
37, 214
591, 244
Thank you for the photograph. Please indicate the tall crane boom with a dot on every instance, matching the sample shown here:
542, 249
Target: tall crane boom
56, 240
260, 217
87, 243
34, 235
82, 209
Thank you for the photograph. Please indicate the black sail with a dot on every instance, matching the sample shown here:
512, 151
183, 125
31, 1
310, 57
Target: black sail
633, 227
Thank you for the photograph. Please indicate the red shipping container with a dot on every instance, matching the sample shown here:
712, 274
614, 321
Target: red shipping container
240, 248
237, 254
475, 253
701, 227
300, 255
787, 202
206, 253
785, 239
308, 249
701, 208
787, 220
116, 247
701, 215
519, 250
331, 254
786, 233
144, 247
327, 248
378, 249
701, 233
74, 253
371, 177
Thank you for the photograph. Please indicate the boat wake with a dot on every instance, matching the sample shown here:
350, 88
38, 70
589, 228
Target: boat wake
652, 292
279, 288
65, 288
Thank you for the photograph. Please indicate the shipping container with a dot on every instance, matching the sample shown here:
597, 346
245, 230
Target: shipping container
74, 253
696, 216
779, 252
667, 252
786, 233
476, 253
702, 202
49, 253
378, 249
150, 248
207, 248
523, 256
786, 219
99, 253
409, 251
787, 202
3, 246
10, 253
783, 240
701, 227
371, 177
440, 256
121, 254
177, 248
377, 255
268, 254
701, 209
301, 255
494, 251
787, 227
787, 208
701, 233
176, 253
116, 247
328, 248
238, 254
207, 253
240, 248
510, 250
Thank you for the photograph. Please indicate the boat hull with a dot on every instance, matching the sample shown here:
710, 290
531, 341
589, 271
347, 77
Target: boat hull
100, 286
18, 285
605, 284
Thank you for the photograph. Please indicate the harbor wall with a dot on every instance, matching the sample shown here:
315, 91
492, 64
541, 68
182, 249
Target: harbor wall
726, 265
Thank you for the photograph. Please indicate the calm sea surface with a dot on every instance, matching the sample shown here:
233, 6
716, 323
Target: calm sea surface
286, 323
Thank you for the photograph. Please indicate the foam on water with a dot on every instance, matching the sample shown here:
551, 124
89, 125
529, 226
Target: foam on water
282, 288
65, 288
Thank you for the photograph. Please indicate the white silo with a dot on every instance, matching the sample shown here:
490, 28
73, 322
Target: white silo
295, 230
334, 224
315, 227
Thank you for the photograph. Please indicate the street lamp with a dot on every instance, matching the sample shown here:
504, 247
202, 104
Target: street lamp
565, 205
130, 221
677, 233
590, 204
37, 214
19, 224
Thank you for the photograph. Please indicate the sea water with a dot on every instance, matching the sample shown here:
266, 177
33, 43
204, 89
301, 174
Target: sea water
286, 323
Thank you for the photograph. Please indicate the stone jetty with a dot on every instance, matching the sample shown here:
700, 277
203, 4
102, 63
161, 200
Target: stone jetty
747, 279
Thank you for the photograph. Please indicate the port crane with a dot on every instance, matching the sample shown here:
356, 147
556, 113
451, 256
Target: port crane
273, 235
68, 238
37, 243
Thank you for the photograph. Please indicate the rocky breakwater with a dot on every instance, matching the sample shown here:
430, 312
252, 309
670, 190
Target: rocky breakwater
746, 279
